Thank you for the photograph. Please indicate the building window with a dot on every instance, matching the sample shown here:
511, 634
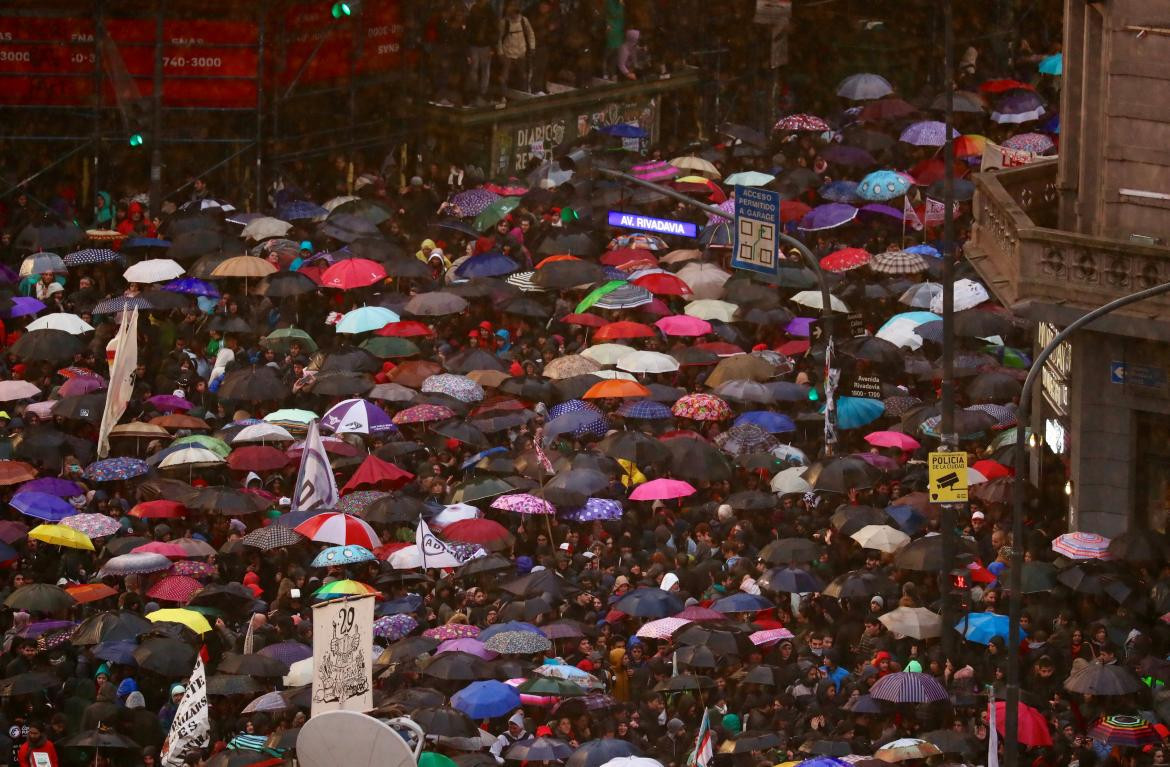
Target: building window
1152, 483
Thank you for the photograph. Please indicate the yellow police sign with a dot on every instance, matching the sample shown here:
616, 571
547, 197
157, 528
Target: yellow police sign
948, 477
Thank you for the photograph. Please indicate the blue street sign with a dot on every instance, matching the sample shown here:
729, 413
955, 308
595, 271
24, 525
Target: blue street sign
757, 229
656, 225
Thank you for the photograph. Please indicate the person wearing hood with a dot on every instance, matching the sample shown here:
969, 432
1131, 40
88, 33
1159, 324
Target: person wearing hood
139, 723
514, 733
103, 211
103, 709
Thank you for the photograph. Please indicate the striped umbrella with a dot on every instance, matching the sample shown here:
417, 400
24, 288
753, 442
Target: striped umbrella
1081, 545
908, 687
1124, 730
341, 529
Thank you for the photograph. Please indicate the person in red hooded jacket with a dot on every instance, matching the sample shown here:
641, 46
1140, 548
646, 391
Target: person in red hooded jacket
136, 223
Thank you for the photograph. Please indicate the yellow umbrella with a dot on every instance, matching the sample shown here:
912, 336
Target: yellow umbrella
633, 475
189, 618
60, 535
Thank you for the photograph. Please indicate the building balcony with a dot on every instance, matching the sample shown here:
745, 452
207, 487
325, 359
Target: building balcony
1052, 275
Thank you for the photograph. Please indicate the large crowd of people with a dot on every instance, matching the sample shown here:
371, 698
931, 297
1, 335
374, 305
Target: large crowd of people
619, 436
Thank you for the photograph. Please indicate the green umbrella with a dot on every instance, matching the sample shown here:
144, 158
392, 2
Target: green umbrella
597, 295
1007, 437
387, 347
217, 446
431, 759
279, 340
495, 213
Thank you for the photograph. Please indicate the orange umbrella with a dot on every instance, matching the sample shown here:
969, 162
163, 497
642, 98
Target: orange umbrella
554, 259
616, 388
970, 145
617, 330
15, 472
179, 421
85, 593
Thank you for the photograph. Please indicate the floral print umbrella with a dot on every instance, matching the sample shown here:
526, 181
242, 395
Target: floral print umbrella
114, 469
701, 407
452, 631
524, 503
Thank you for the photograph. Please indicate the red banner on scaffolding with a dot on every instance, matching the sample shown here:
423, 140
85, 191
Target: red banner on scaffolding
310, 27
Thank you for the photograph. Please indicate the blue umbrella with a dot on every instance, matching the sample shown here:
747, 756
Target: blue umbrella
624, 130
340, 556
644, 408
403, 605
62, 488
192, 287
42, 506
1052, 65
473, 460
981, 628
924, 250
145, 242
839, 191
486, 699
490, 264
855, 412
577, 423
742, 603
907, 517
117, 652
883, 185
24, 306
500, 628
771, 422
7, 553
300, 210
594, 509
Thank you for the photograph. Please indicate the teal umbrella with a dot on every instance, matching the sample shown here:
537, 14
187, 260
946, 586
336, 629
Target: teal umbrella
749, 178
855, 412
1052, 65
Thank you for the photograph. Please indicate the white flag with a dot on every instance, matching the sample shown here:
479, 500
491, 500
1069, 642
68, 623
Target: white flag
992, 735
910, 216
704, 749
343, 635
434, 552
316, 486
125, 346
191, 728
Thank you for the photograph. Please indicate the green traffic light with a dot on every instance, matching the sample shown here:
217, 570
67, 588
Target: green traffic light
136, 139
341, 9
813, 395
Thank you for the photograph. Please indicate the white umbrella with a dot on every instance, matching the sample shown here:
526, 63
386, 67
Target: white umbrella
812, 299
968, 295
917, 622
299, 674
705, 280
900, 332
262, 432
613, 374
921, 295
70, 323
881, 537
789, 481
711, 309
406, 558
153, 270
606, 354
331, 204
190, 456
455, 512
265, 228
648, 362
632, 761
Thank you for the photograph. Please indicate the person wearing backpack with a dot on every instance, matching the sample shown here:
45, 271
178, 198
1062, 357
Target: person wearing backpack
516, 43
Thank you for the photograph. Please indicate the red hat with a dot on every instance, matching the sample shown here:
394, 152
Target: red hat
515, 369
759, 347
452, 444
486, 325
586, 665
473, 334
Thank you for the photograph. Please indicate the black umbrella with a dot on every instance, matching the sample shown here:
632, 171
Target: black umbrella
696, 459
791, 580
40, 598
225, 323
510, 668
50, 233
949, 741
251, 664
227, 597
849, 518
286, 285
348, 227
787, 550
492, 563
526, 609
341, 383
858, 584
103, 739
223, 500
253, 384
594, 753
636, 447
562, 275
188, 246
413, 698
752, 500
1101, 679
721, 641
458, 666
758, 740
479, 489
232, 684
46, 346
1140, 546
395, 508
112, 626
766, 676
47, 444
473, 359
875, 350
573, 387
407, 268
526, 307
351, 359
538, 750
28, 683
531, 388
496, 424
462, 432
684, 682
649, 603
574, 487
927, 554
573, 242
539, 583
840, 475
165, 656
409, 648
444, 720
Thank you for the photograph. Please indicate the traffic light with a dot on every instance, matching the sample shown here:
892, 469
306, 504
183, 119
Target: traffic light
813, 394
137, 140
342, 9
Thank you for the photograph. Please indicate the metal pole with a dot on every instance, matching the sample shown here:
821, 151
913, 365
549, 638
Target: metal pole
1015, 571
262, 26
156, 111
98, 32
810, 259
357, 32
947, 400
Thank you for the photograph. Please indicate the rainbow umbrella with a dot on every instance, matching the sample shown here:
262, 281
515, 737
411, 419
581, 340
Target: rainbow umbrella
344, 588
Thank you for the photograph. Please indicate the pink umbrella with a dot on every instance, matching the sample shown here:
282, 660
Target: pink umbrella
524, 503
532, 700
452, 631
770, 637
662, 490
160, 547
700, 613
683, 325
663, 628
467, 645
892, 439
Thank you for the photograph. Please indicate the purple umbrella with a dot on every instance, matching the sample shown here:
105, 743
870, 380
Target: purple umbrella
927, 133
849, 156
473, 201
192, 287
42, 506
1018, 107
800, 326
288, 652
828, 216
357, 416
169, 402
62, 488
8, 274
467, 645
24, 306
655, 171
81, 385
728, 206
34, 630
595, 510
876, 208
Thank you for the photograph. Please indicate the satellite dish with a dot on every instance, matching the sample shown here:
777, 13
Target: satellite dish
356, 740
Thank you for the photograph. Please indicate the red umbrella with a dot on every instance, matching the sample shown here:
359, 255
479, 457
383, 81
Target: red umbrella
793, 348
793, 210
376, 473
617, 330
584, 320
1033, 726
353, 273
257, 458
174, 588
992, 469
85, 593
1003, 86
405, 329
929, 171
663, 284
845, 259
481, 531
160, 509
334, 445
626, 255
